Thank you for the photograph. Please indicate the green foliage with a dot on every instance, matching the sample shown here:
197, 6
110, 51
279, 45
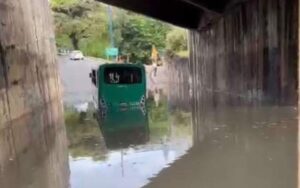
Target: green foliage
94, 47
138, 34
83, 25
80, 25
63, 41
59, 3
177, 40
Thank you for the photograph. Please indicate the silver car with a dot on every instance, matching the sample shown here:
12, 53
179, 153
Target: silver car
76, 55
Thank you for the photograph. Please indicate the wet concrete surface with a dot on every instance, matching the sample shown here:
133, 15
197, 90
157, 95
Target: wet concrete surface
165, 146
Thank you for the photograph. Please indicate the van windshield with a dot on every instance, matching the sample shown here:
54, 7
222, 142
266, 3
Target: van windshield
122, 75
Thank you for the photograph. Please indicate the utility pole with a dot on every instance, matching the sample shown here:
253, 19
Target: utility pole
111, 51
110, 24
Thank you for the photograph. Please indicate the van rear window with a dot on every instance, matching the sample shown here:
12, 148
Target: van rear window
122, 75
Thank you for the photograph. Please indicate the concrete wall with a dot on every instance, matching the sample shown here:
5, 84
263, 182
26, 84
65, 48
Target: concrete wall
249, 56
179, 86
28, 68
31, 123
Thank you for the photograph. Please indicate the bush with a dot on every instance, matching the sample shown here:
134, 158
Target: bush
177, 40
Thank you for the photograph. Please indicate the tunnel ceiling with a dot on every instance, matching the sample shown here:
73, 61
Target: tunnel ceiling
190, 14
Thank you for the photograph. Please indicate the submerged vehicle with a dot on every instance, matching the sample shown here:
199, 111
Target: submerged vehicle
124, 128
120, 85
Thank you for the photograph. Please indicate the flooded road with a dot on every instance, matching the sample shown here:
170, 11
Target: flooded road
128, 147
163, 145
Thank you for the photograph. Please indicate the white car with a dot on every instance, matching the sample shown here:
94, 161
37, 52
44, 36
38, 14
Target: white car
76, 55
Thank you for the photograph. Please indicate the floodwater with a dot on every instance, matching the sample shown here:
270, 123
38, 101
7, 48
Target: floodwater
165, 145
249, 147
238, 147
125, 148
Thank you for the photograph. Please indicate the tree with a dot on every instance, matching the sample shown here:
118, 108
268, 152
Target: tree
138, 34
80, 23
177, 40
83, 25
60, 3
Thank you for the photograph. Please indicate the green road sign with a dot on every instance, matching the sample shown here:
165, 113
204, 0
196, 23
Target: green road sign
112, 52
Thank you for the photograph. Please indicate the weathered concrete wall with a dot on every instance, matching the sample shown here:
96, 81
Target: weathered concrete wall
248, 56
179, 86
28, 68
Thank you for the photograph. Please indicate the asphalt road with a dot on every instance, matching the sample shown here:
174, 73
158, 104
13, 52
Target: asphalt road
77, 86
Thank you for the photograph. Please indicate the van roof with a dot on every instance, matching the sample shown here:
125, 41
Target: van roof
121, 65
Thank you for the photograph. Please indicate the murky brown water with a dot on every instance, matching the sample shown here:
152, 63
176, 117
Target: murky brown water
129, 147
242, 147
234, 147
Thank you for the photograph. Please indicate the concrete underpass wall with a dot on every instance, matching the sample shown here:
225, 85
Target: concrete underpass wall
178, 83
247, 56
28, 69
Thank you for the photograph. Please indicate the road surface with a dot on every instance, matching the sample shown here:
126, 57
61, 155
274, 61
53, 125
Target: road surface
77, 86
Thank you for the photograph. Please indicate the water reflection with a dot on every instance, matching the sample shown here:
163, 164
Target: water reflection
84, 135
127, 147
124, 128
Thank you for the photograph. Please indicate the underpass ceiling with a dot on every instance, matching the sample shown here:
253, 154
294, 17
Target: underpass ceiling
184, 13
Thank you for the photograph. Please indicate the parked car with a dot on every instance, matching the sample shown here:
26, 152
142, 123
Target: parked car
76, 55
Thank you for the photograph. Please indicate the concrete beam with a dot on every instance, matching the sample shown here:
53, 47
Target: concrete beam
176, 12
184, 13
211, 6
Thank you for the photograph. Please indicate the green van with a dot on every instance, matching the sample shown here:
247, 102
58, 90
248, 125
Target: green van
120, 85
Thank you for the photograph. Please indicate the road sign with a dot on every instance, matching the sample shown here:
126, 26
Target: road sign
112, 52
